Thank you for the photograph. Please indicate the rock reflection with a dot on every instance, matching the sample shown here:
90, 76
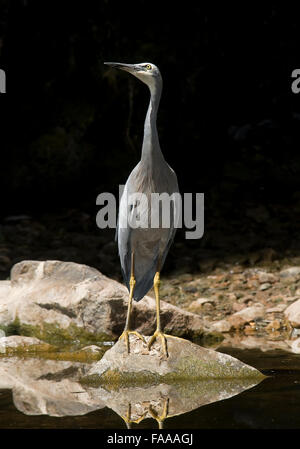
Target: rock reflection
163, 401
49, 387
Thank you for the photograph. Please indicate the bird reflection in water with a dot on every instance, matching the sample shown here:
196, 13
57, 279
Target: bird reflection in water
150, 412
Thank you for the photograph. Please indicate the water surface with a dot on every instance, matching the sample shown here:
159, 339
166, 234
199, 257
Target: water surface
274, 403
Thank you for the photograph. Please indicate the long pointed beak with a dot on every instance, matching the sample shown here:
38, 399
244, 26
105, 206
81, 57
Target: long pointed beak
121, 66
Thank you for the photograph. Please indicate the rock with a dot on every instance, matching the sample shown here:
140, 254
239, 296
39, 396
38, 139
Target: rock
273, 326
237, 306
190, 289
247, 299
196, 306
234, 342
246, 315
292, 313
291, 298
64, 301
47, 387
185, 361
232, 296
264, 277
221, 326
295, 346
278, 308
17, 344
265, 286
290, 272
92, 349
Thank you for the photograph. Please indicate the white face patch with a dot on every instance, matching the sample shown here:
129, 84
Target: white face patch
148, 77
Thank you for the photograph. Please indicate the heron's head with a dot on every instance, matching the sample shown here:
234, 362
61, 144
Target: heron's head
145, 71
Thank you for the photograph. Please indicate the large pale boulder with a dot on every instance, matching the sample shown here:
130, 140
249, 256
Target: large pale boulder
292, 313
55, 300
290, 272
185, 361
246, 315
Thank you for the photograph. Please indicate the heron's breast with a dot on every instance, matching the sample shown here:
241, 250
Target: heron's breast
146, 241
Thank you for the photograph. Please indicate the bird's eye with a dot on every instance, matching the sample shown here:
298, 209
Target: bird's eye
148, 66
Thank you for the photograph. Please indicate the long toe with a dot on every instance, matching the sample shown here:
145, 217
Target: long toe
160, 418
163, 339
125, 336
138, 335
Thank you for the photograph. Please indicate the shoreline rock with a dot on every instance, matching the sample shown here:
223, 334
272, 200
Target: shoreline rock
18, 345
64, 301
185, 361
292, 313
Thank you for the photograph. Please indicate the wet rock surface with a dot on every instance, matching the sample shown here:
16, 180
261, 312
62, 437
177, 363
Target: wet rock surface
185, 361
17, 344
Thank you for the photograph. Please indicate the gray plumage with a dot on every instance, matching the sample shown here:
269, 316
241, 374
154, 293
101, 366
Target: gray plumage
151, 175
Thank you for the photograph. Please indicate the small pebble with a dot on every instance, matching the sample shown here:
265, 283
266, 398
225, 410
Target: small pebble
265, 286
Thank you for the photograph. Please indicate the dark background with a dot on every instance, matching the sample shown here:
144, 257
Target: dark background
71, 128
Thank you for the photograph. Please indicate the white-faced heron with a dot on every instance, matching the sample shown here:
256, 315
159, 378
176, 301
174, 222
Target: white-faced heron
143, 248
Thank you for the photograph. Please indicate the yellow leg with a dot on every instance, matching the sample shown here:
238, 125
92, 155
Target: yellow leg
158, 332
126, 332
128, 419
160, 418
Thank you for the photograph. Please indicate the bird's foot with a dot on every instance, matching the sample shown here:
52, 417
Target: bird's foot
173, 336
162, 336
160, 418
125, 336
128, 420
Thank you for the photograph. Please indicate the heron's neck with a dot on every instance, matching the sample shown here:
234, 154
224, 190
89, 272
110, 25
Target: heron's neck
151, 151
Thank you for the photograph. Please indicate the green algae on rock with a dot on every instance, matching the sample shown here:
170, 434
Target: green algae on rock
54, 334
20, 345
186, 361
